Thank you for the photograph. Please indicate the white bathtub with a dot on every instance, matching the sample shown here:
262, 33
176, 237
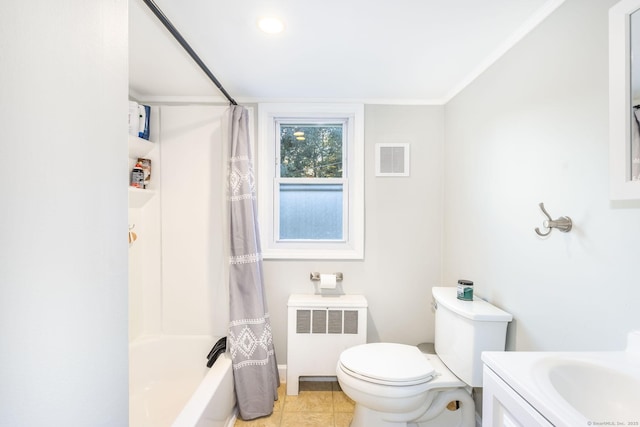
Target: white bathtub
170, 384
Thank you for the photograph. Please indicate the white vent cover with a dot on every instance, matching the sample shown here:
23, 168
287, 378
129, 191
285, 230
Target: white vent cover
392, 159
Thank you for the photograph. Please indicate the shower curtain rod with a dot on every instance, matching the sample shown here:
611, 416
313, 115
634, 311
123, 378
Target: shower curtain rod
174, 32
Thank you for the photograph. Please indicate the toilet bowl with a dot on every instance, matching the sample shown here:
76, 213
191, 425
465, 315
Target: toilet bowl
396, 385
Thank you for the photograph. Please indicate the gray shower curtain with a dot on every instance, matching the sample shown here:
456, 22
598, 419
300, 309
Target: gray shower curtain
250, 341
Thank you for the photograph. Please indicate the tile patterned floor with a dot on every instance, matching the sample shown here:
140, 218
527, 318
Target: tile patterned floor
318, 404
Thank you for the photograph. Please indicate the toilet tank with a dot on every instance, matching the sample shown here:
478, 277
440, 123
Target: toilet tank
464, 329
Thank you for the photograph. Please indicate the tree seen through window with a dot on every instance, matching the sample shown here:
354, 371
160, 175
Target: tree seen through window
311, 151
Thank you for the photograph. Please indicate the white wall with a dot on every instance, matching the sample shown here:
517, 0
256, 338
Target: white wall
403, 219
63, 221
532, 129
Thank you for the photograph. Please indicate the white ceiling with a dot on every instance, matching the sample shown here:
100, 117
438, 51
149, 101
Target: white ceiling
377, 51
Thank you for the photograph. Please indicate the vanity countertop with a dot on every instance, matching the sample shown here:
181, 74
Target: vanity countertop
574, 388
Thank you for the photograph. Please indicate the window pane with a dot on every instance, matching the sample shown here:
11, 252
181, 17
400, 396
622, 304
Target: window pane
311, 211
311, 150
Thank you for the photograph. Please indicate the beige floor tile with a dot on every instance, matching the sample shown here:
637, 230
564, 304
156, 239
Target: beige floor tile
307, 419
271, 421
310, 401
342, 402
318, 404
278, 405
342, 419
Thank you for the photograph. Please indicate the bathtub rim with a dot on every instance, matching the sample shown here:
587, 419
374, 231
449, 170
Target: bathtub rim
222, 364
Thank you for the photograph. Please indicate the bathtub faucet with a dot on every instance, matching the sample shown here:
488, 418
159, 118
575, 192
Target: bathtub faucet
218, 348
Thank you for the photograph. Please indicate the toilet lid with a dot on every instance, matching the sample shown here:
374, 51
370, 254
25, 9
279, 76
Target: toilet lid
388, 363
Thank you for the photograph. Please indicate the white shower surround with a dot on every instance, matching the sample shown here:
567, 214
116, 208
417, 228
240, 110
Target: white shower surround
178, 293
177, 271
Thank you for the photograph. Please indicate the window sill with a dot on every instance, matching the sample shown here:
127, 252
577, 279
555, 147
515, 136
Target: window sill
313, 254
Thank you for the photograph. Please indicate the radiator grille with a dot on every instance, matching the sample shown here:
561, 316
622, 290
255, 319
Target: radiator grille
303, 322
350, 322
335, 321
327, 321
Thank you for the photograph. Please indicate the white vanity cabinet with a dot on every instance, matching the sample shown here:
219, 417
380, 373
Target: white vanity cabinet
503, 407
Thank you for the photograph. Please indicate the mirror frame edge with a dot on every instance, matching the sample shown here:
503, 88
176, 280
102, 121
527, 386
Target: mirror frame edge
620, 187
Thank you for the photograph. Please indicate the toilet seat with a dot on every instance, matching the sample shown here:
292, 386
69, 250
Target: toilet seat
387, 364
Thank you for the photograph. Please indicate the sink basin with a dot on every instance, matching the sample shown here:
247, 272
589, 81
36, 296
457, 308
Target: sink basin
598, 392
572, 389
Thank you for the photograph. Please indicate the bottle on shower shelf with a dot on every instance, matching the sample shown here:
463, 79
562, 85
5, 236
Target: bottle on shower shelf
137, 176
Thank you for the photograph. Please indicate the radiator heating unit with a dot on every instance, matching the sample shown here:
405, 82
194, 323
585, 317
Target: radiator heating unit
319, 329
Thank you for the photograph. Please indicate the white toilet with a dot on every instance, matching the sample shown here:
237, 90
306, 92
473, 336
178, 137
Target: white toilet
398, 385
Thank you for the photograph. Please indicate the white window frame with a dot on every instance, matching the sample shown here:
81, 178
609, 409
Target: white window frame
352, 247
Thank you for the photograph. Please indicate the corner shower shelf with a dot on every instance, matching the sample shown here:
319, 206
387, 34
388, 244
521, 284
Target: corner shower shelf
139, 147
139, 197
